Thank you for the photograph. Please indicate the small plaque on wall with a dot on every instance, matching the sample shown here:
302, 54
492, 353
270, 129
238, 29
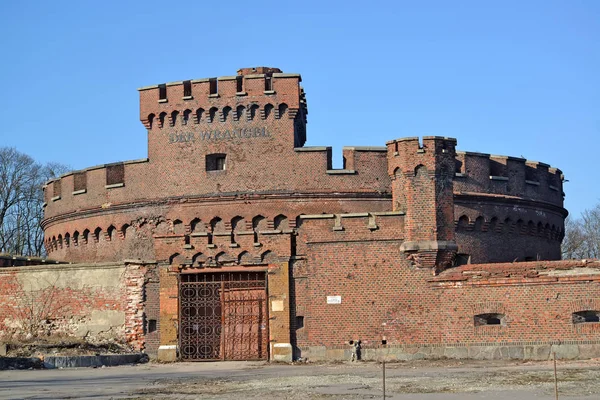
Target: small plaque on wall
277, 305
334, 299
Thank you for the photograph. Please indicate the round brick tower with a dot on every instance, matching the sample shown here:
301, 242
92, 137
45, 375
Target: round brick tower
227, 177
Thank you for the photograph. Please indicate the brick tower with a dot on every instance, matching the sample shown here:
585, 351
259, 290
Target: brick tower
422, 187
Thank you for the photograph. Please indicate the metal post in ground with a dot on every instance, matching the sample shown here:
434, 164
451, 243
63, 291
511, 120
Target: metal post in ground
555, 377
383, 378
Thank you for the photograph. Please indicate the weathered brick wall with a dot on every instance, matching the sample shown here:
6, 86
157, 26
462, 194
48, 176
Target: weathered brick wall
385, 297
260, 128
98, 302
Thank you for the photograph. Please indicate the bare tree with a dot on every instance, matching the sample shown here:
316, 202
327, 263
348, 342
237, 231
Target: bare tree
582, 236
21, 201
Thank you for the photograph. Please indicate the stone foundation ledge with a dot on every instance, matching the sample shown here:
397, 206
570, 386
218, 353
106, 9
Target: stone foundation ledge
517, 351
51, 362
111, 360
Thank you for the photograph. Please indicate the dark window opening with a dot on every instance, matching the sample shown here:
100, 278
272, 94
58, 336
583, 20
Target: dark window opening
151, 325
462, 259
299, 322
213, 85
215, 162
497, 168
187, 89
586, 316
162, 92
186, 117
115, 174
268, 83
489, 319
239, 84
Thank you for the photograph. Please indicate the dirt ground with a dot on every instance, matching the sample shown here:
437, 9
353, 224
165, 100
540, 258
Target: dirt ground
403, 380
427, 380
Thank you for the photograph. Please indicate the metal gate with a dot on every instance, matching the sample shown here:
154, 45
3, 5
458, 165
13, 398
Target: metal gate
223, 316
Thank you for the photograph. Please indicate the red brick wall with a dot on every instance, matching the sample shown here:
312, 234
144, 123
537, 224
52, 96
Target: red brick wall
98, 302
385, 296
270, 173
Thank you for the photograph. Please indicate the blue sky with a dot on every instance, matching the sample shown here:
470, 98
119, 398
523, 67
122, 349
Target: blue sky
517, 78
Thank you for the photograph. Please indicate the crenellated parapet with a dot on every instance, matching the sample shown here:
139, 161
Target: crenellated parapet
510, 176
253, 94
235, 144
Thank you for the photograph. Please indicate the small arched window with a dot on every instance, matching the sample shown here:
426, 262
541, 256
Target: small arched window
212, 113
186, 117
150, 120
161, 119
253, 111
240, 113
225, 113
174, 116
97, 233
267, 111
282, 109
111, 231
198, 115
178, 228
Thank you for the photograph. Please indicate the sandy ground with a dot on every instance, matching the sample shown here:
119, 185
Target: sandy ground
445, 380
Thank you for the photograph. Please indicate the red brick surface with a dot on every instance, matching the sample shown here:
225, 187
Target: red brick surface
342, 233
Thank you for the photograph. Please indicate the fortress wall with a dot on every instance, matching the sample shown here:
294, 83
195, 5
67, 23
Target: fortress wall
510, 176
501, 230
101, 303
381, 295
129, 232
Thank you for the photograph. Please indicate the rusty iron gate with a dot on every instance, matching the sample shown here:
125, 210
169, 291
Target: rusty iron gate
223, 316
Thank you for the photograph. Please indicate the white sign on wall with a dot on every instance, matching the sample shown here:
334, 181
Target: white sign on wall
334, 299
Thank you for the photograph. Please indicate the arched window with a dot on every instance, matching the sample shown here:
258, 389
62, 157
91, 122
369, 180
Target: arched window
111, 231
150, 120
240, 112
178, 228
281, 222
97, 233
253, 111
282, 109
197, 226
161, 119
268, 110
479, 224
186, 116
217, 225
174, 116
198, 115
124, 229
212, 113
463, 222
421, 171
258, 223
225, 113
